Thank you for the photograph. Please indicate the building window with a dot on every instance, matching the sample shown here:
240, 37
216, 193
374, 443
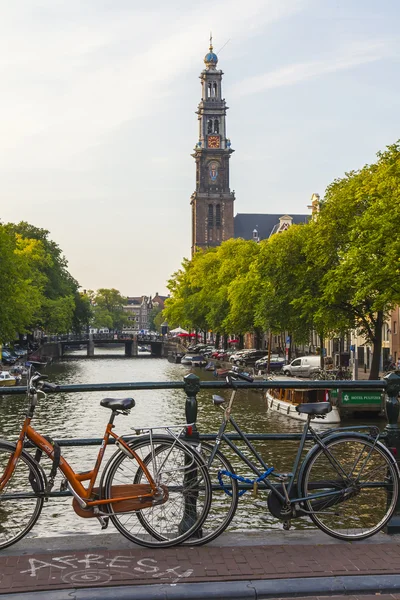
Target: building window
210, 215
218, 215
216, 126
209, 126
394, 327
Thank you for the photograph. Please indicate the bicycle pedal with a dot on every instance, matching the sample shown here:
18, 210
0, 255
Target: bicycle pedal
287, 525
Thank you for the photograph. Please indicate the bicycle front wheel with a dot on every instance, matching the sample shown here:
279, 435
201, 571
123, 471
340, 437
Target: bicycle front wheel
181, 472
358, 484
20, 504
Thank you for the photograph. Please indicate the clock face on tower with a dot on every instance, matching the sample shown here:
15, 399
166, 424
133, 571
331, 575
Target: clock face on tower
213, 141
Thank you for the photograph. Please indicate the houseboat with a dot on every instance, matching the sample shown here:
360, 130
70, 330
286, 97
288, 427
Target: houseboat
285, 401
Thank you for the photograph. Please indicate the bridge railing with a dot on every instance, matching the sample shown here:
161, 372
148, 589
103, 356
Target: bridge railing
191, 385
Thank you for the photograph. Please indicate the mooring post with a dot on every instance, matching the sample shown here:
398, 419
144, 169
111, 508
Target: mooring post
392, 431
191, 480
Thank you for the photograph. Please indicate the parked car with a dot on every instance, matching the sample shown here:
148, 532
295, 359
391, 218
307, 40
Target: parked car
224, 354
208, 352
304, 366
237, 355
276, 362
8, 358
249, 358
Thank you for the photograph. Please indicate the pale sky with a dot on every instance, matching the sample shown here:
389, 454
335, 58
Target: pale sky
98, 101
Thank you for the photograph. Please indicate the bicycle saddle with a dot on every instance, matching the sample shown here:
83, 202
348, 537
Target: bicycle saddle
218, 399
118, 403
314, 408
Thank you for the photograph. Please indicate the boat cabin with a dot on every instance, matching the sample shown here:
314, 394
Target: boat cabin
299, 396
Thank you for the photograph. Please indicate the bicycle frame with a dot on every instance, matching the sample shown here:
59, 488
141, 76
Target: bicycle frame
288, 479
75, 479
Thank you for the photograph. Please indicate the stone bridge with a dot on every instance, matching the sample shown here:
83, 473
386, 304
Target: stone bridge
55, 346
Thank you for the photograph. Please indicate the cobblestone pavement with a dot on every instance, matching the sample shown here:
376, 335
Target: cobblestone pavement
60, 569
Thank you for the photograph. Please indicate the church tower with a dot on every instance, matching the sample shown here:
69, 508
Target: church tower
212, 201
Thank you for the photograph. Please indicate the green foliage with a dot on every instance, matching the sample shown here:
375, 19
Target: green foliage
204, 290
155, 318
108, 308
58, 281
20, 298
83, 312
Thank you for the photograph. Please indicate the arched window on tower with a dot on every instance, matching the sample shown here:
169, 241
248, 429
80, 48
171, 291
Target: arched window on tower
215, 89
209, 90
216, 126
218, 215
209, 126
210, 215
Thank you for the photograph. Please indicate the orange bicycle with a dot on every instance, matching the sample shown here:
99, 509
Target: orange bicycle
156, 489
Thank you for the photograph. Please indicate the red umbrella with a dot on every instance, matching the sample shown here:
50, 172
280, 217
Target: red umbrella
233, 342
182, 335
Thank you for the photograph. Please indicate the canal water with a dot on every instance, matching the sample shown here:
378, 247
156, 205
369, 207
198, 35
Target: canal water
80, 415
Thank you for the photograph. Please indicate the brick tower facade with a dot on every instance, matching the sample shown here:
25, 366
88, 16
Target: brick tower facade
212, 201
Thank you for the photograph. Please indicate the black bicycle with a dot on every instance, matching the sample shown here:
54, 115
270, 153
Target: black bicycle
347, 484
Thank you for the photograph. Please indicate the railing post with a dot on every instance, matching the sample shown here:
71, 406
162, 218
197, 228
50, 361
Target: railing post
192, 387
392, 431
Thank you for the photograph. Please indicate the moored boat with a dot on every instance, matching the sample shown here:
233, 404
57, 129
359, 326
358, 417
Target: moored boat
196, 360
285, 401
175, 357
7, 380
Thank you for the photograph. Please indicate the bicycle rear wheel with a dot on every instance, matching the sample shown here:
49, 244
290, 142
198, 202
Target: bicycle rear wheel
182, 474
361, 484
20, 507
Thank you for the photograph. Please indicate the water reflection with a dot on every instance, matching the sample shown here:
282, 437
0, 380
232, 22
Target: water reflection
80, 415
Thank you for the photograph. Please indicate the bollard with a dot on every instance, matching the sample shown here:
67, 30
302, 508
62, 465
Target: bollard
392, 431
191, 387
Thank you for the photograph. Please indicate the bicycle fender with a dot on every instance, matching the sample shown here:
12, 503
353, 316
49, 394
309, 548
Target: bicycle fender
12, 446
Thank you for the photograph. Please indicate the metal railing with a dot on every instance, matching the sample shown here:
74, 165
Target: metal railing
191, 385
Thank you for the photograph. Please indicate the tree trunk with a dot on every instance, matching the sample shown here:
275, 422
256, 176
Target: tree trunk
257, 339
321, 345
241, 341
217, 339
377, 346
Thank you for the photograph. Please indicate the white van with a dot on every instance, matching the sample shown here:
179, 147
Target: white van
304, 366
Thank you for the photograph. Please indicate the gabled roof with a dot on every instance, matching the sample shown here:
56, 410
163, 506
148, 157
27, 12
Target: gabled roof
135, 300
265, 224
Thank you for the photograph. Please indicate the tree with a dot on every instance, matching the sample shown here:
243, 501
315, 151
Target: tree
154, 324
59, 282
108, 308
20, 297
46, 267
83, 312
201, 292
358, 247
